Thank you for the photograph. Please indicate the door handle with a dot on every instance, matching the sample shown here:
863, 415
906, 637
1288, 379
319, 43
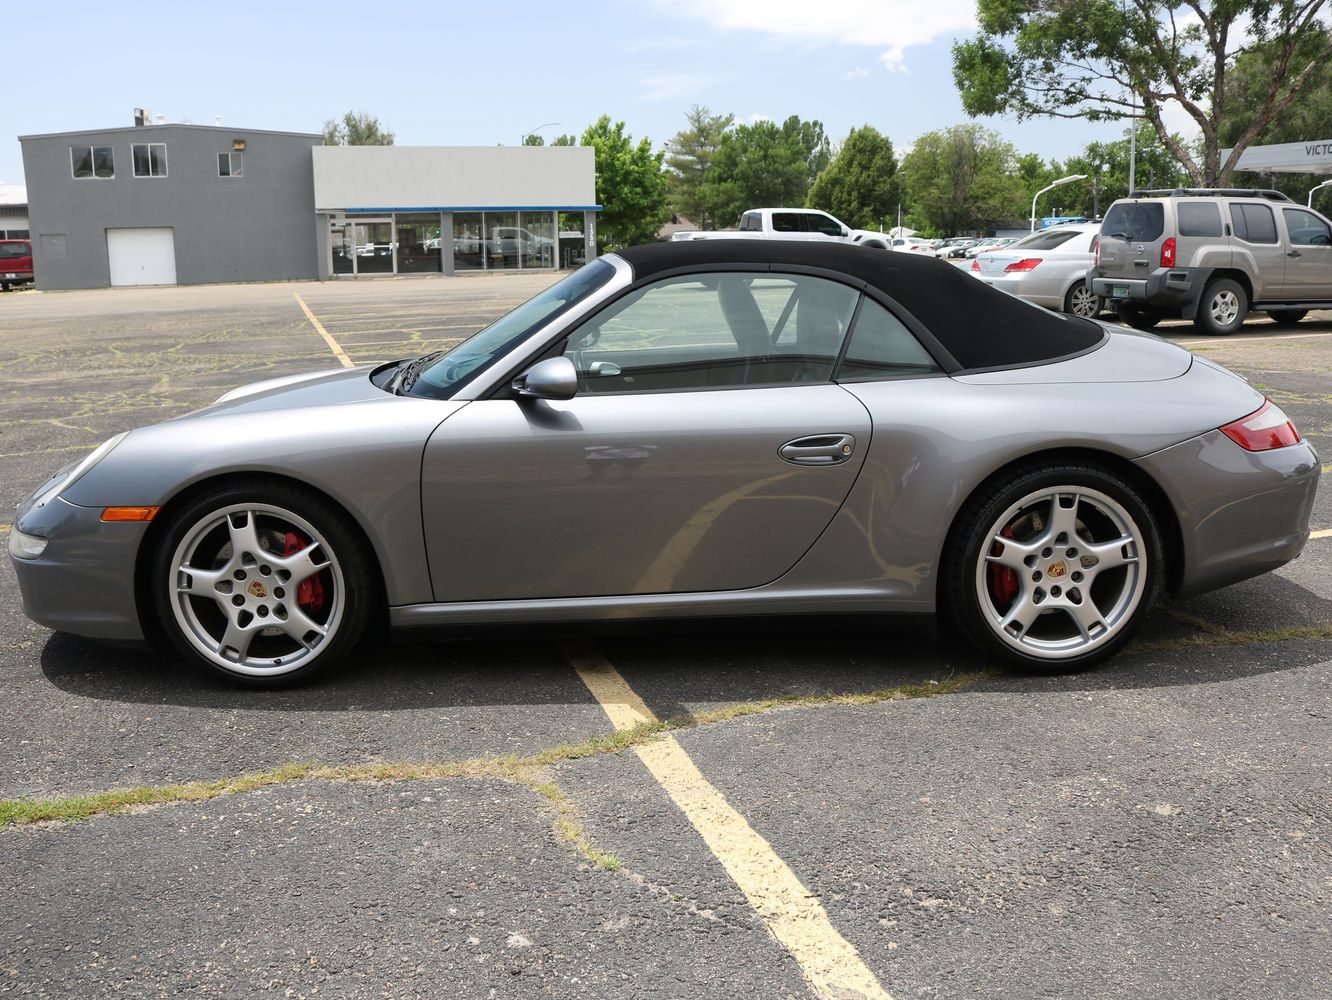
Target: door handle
1294, 253
819, 449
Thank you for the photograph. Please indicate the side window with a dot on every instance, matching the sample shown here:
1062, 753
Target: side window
816, 222
749, 222
881, 347
714, 331
786, 222
1307, 229
1199, 218
1254, 223
91, 161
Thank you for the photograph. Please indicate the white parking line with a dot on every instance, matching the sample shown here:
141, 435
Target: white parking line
338, 352
790, 911
1246, 340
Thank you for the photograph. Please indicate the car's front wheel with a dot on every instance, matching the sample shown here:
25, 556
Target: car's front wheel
1053, 567
1082, 301
262, 583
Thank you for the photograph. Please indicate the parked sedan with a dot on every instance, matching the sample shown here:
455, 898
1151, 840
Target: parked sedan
683, 430
1048, 268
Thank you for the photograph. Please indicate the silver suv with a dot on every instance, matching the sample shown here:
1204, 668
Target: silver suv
1211, 255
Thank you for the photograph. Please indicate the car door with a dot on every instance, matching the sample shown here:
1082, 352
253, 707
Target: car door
1308, 255
1255, 235
706, 450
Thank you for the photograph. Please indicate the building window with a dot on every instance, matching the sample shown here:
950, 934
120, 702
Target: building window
149, 159
229, 164
91, 161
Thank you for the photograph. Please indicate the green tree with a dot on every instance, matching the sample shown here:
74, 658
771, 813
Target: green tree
764, 165
860, 186
1111, 59
1309, 116
689, 158
631, 187
961, 179
357, 128
1106, 165
532, 139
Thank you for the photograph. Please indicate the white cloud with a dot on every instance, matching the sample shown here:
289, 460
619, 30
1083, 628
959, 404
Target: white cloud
859, 73
669, 86
891, 26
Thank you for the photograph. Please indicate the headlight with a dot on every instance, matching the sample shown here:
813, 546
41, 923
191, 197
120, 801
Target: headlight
25, 546
71, 476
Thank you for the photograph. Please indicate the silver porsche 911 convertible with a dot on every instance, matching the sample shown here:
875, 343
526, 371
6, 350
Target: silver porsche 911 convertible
685, 430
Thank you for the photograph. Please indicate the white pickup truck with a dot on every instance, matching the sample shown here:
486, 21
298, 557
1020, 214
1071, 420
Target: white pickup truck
791, 224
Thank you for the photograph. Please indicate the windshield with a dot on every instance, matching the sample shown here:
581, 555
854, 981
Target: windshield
443, 376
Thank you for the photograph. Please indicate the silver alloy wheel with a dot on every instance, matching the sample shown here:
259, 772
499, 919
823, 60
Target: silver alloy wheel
1224, 307
1084, 302
1074, 560
236, 596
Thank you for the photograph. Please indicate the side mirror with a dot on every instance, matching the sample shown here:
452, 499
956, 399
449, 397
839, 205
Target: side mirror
554, 378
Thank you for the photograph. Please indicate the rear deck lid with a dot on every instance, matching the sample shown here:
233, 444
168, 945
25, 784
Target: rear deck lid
1124, 356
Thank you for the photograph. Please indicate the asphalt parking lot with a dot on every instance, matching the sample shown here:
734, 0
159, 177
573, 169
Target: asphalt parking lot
769, 810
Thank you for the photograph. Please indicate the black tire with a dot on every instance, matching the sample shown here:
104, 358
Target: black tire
349, 574
1222, 308
972, 608
1287, 317
1082, 302
1137, 316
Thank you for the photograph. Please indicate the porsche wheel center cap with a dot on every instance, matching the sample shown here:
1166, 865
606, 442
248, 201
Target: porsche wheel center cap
1057, 569
259, 591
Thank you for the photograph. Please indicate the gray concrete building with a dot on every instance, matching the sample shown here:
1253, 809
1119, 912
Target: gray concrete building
192, 204
169, 204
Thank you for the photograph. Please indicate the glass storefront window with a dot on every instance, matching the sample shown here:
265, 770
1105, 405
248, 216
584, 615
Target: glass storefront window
503, 244
340, 239
573, 251
374, 248
418, 244
537, 230
467, 241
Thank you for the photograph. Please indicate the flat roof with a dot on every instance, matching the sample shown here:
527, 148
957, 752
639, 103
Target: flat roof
170, 125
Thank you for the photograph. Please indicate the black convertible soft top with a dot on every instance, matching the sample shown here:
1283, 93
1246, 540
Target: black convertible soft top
979, 326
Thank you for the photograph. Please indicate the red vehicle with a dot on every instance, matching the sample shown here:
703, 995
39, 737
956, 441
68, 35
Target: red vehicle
15, 263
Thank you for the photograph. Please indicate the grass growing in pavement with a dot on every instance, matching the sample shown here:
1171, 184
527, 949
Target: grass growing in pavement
525, 770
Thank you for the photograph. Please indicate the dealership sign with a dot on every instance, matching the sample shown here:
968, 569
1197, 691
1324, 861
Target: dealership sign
1312, 157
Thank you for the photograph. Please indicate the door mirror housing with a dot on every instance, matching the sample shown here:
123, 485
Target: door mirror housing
554, 378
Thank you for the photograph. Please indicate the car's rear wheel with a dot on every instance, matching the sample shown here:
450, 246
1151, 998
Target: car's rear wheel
1287, 317
262, 583
1138, 317
1053, 567
1222, 308
1082, 301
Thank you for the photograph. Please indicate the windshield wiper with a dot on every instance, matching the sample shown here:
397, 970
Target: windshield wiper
408, 372
1121, 236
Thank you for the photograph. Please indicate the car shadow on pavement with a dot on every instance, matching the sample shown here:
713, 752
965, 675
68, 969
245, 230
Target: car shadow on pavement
679, 665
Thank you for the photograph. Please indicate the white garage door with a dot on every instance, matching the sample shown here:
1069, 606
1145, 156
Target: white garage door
141, 256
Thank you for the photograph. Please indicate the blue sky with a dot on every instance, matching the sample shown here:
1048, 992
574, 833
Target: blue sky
478, 73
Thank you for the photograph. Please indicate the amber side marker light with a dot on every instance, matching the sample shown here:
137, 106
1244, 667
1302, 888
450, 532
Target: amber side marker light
1265, 429
129, 513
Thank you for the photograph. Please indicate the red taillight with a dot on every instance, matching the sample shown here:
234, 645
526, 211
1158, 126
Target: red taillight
1026, 264
975, 263
1263, 429
1096, 251
1168, 253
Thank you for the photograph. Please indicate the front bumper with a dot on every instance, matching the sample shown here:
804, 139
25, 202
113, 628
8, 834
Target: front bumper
1241, 513
84, 580
1172, 289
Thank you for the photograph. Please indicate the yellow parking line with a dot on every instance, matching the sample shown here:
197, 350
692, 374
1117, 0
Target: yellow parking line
1325, 533
338, 352
790, 911
4, 528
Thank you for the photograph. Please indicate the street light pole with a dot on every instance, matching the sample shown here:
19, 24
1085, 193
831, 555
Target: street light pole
1326, 183
522, 140
1063, 180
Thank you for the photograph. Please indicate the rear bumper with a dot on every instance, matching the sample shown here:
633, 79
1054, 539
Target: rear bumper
1040, 293
84, 581
14, 277
1171, 289
1240, 513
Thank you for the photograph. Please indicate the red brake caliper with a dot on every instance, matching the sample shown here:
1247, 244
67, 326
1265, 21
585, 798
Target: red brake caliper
310, 591
1003, 581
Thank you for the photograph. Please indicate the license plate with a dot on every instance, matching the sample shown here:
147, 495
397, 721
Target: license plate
11, 275
1119, 291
